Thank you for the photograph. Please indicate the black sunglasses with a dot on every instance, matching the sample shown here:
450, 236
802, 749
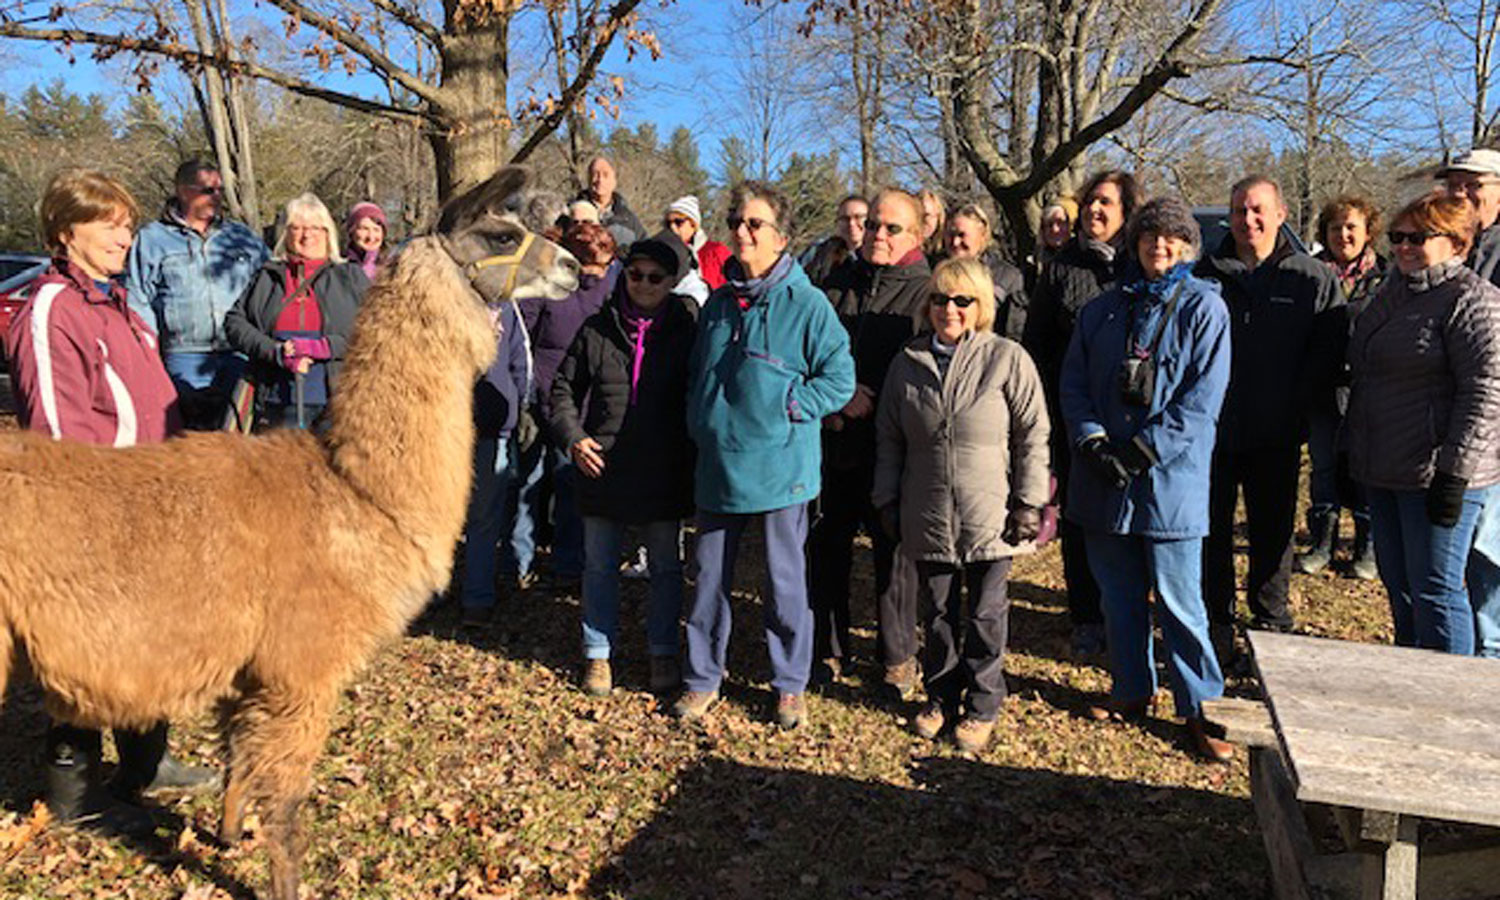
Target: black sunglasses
734, 223
206, 190
891, 228
1415, 238
941, 300
636, 275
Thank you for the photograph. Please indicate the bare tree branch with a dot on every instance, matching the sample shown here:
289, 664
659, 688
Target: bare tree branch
382, 63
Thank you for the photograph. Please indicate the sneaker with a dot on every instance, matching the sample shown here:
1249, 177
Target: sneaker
476, 618
1364, 568
637, 569
930, 721
666, 674
598, 681
692, 705
791, 711
902, 678
1088, 639
973, 735
526, 581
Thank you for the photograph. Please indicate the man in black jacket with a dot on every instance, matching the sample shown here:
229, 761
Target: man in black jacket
614, 212
1287, 333
877, 295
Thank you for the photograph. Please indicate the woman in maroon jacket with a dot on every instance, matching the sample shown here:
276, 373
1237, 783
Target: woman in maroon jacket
84, 367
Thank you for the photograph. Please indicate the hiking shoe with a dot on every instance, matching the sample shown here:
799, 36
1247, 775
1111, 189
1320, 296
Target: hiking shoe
598, 681
526, 581
1206, 745
791, 711
692, 705
476, 618
666, 674
1364, 568
930, 721
973, 735
902, 679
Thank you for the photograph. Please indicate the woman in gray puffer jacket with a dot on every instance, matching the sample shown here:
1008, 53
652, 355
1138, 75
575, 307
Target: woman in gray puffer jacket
1423, 424
960, 478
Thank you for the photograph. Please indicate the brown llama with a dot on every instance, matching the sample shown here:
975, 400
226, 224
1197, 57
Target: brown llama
149, 583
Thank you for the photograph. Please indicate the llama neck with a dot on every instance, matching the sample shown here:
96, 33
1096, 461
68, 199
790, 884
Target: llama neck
401, 433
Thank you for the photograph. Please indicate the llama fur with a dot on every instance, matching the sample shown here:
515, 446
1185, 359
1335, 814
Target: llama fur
148, 583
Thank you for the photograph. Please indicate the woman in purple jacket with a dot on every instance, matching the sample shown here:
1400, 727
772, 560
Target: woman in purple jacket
552, 325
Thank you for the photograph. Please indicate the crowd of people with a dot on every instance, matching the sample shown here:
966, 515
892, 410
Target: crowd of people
901, 378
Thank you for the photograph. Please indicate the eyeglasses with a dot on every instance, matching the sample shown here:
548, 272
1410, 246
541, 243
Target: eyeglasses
636, 276
1415, 238
938, 301
891, 228
206, 190
678, 221
734, 223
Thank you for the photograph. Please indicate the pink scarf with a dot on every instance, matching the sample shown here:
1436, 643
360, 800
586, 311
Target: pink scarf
638, 323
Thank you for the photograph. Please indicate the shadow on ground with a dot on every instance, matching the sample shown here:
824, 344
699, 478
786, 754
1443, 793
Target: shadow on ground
966, 829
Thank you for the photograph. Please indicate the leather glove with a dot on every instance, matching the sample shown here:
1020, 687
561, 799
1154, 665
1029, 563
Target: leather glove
1445, 499
1098, 454
1137, 456
890, 521
1023, 524
526, 430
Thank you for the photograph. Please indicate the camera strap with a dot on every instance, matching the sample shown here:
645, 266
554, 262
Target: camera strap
1161, 328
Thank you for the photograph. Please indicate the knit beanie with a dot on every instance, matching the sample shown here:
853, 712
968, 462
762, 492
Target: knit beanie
688, 206
1164, 215
364, 210
658, 251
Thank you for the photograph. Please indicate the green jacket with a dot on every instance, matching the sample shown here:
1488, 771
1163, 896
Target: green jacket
761, 380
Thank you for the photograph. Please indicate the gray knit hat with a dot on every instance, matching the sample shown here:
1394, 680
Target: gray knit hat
1164, 215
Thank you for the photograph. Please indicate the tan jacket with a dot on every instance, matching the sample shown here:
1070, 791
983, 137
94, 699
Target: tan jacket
960, 451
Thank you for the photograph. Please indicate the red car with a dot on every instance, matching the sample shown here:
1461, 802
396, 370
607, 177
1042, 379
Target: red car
17, 271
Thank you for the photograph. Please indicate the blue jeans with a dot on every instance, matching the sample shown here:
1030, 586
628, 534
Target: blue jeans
1127, 567
1483, 577
1422, 566
788, 616
601, 585
202, 370
482, 528
567, 528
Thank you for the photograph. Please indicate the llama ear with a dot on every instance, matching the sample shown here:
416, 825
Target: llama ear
493, 195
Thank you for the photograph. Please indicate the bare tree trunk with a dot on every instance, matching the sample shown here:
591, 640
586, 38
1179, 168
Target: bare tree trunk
244, 155
472, 140
217, 121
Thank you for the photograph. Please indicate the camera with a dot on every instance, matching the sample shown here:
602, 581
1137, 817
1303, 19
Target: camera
1137, 380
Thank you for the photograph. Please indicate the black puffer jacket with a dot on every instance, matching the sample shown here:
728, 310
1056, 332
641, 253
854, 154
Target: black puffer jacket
648, 458
1425, 358
1069, 280
338, 288
878, 306
1288, 331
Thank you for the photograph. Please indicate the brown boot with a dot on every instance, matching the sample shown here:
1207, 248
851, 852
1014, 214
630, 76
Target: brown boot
598, 680
902, 679
973, 735
930, 721
1122, 710
1206, 745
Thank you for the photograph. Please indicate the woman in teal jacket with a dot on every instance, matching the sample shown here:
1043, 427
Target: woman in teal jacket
770, 361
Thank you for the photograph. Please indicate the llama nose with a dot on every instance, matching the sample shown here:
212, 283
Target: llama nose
567, 263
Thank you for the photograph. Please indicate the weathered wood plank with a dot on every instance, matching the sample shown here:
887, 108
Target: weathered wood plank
1390, 869
1282, 829
1244, 721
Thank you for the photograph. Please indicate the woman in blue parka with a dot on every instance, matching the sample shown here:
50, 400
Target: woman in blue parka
1141, 388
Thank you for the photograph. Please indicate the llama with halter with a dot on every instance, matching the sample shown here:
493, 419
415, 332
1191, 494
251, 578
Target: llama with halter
149, 583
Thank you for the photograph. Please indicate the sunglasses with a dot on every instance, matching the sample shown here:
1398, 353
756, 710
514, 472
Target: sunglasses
734, 223
1415, 238
678, 221
938, 301
891, 228
637, 276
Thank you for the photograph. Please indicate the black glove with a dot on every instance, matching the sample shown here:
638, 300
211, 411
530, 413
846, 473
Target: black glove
526, 430
1137, 456
1445, 499
890, 521
1101, 456
1023, 524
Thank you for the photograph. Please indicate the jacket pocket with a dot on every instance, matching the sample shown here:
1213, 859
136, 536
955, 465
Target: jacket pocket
755, 414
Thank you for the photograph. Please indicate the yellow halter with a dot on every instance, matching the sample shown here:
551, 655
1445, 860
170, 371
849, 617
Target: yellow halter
512, 259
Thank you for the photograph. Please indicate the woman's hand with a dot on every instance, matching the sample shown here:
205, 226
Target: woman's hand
588, 456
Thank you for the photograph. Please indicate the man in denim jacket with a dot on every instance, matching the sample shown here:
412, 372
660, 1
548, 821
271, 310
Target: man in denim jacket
184, 272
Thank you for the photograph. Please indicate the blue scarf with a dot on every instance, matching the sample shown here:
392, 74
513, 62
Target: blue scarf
749, 291
1155, 289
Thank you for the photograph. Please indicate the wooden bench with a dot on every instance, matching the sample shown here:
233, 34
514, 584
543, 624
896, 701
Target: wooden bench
1367, 742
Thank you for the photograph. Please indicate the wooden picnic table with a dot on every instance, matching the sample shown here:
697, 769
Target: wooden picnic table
1385, 737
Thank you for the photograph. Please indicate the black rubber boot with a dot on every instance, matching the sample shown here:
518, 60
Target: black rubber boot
1325, 531
1363, 565
74, 794
147, 768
